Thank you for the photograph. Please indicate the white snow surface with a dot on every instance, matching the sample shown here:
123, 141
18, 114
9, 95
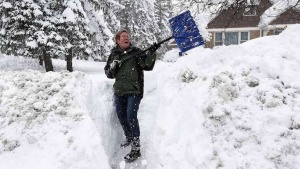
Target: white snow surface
229, 107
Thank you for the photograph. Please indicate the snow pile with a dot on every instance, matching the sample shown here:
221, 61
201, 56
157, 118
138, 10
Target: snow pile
45, 123
171, 55
232, 107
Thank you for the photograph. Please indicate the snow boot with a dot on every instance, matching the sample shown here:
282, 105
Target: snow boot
133, 155
135, 152
127, 142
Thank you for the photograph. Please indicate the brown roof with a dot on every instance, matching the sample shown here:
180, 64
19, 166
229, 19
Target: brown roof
233, 18
288, 17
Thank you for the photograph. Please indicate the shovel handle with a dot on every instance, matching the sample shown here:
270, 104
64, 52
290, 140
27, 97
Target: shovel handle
159, 43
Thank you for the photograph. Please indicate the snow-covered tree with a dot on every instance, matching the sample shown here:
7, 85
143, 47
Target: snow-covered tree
139, 21
125, 15
110, 8
162, 15
5, 10
46, 41
83, 29
48, 29
17, 24
74, 30
100, 35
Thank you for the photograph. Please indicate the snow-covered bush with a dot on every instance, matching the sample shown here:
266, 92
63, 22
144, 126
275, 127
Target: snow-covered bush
188, 76
252, 81
225, 85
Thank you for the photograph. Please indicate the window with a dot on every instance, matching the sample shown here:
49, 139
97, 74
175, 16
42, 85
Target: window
218, 39
250, 10
244, 37
230, 38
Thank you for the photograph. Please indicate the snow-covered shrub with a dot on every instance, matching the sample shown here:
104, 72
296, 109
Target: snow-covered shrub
295, 122
216, 113
260, 96
252, 81
225, 85
188, 76
10, 145
274, 95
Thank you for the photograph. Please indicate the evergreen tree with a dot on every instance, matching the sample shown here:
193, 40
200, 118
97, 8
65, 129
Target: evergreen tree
48, 29
139, 21
110, 9
162, 15
100, 35
125, 15
46, 41
5, 10
74, 30
55, 29
17, 25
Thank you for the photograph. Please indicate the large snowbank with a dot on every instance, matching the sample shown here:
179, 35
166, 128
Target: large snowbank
44, 122
232, 107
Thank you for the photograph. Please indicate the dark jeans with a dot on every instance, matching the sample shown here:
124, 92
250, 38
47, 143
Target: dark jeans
127, 107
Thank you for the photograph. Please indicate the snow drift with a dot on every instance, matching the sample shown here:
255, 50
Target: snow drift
232, 107
45, 124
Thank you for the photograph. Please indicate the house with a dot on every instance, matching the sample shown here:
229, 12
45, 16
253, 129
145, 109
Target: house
234, 26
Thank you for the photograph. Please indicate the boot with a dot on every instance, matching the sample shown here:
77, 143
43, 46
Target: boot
127, 142
135, 150
133, 155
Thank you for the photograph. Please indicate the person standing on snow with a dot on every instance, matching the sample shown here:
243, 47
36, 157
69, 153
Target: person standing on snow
129, 86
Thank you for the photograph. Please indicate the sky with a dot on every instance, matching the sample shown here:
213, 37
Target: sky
229, 107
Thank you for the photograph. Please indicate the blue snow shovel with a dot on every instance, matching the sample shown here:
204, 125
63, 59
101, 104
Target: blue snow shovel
184, 31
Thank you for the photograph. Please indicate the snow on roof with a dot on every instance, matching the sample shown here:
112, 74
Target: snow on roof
274, 11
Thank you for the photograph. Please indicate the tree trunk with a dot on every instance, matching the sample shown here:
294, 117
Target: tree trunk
41, 61
48, 61
69, 58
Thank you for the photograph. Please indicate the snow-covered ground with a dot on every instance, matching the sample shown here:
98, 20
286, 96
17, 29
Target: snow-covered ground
230, 107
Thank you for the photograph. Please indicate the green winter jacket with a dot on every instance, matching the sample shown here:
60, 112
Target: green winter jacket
129, 76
